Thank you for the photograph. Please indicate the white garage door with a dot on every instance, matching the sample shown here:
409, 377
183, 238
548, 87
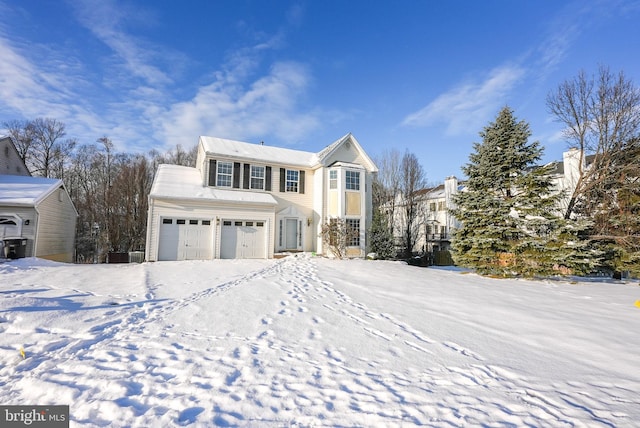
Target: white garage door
242, 239
185, 239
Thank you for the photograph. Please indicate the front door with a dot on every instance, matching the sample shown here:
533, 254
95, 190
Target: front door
291, 234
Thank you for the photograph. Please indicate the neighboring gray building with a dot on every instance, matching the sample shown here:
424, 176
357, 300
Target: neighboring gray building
38, 212
10, 161
37, 217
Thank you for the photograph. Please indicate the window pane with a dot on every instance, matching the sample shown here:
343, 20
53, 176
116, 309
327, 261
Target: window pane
193, 221
206, 222
333, 179
352, 180
292, 180
180, 222
167, 221
225, 174
226, 223
257, 177
353, 225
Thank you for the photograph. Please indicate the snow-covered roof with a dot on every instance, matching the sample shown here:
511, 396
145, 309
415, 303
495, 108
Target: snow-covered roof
269, 154
25, 190
183, 182
258, 152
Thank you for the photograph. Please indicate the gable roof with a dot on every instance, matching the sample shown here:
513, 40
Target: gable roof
24, 190
261, 153
185, 183
326, 153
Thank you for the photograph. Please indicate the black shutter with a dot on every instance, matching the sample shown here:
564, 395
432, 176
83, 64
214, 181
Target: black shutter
301, 183
247, 175
267, 179
236, 175
212, 172
283, 178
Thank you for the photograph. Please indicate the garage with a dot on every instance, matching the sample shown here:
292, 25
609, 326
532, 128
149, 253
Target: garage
243, 239
185, 239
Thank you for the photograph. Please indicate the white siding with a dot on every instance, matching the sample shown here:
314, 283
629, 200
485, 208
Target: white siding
344, 154
302, 202
159, 209
56, 227
319, 210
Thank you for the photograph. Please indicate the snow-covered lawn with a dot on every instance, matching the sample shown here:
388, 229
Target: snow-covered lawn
305, 341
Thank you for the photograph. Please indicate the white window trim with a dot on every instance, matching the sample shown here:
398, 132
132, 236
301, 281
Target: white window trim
359, 220
218, 173
346, 180
296, 181
333, 181
252, 177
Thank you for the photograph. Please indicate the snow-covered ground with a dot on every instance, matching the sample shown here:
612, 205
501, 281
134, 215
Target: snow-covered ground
307, 341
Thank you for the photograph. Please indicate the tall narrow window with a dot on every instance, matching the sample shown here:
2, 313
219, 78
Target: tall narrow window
225, 174
352, 180
257, 177
353, 226
333, 179
292, 180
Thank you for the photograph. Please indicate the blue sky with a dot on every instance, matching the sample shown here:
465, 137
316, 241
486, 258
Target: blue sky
424, 76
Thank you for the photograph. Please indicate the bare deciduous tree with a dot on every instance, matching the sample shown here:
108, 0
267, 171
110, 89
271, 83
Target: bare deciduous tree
387, 184
601, 115
336, 235
602, 119
412, 180
22, 134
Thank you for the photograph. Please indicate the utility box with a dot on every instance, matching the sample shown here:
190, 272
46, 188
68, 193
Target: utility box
13, 248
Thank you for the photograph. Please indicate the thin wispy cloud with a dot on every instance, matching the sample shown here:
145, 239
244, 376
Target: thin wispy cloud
468, 105
106, 19
141, 108
31, 88
266, 105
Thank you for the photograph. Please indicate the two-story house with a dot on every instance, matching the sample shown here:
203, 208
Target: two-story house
246, 200
434, 224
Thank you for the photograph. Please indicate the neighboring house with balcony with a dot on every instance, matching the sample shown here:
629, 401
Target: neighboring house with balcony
246, 200
435, 226
438, 223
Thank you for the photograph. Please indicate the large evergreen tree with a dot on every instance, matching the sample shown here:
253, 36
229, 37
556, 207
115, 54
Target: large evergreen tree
510, 223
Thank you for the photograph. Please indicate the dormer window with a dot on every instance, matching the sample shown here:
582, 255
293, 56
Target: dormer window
224, 174
352, 180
